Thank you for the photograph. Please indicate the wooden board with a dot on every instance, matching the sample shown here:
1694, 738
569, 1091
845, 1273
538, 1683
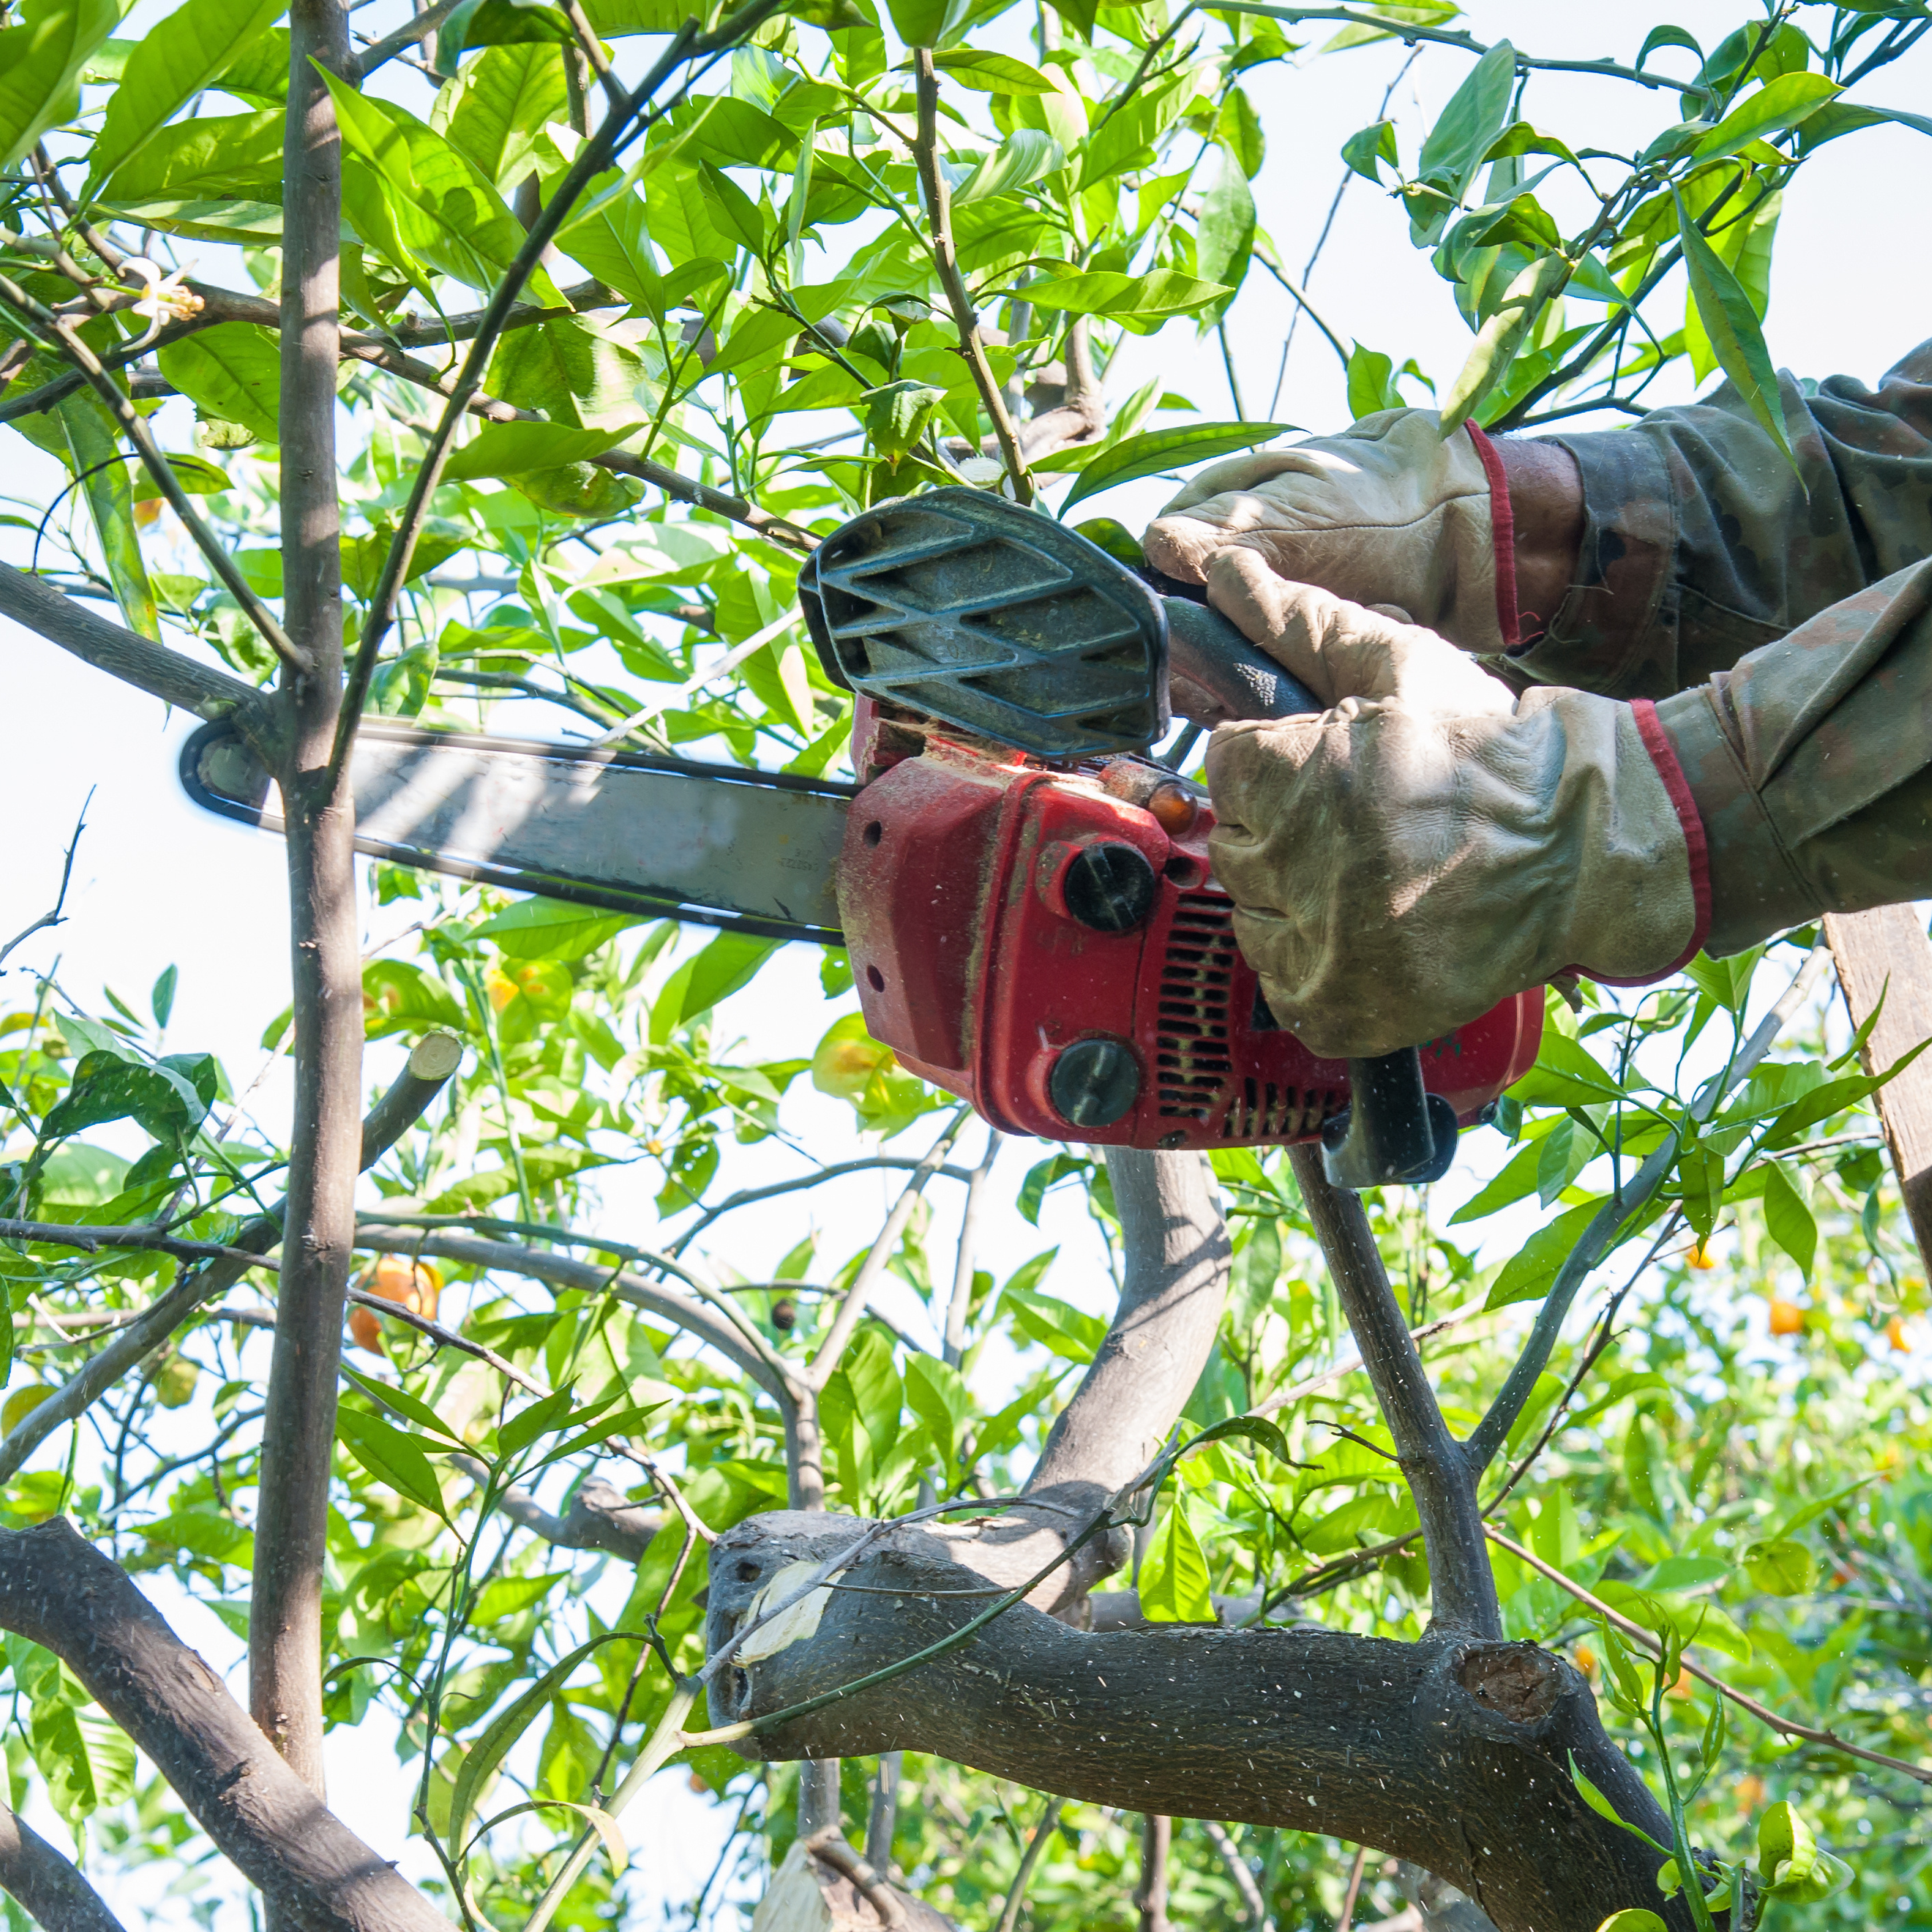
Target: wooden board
1885, 953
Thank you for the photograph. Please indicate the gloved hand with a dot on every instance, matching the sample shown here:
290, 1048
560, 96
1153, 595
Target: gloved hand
1430, 845
1388, 512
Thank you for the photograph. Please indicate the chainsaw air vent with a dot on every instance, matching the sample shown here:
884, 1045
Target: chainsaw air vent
965, 607
1193, 1066
1261, 1111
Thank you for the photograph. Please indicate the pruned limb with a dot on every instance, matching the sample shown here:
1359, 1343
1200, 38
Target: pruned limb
161, 1318
1453, 1752
1462, 1590
601, 1516
57, 1590
1883, 955
45, 1885
125, 654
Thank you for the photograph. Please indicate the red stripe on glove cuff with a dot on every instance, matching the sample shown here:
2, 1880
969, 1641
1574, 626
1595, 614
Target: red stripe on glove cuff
1502, 530
1663, 756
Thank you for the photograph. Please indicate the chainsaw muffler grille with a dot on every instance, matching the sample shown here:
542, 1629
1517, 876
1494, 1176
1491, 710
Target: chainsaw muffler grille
1193, 1064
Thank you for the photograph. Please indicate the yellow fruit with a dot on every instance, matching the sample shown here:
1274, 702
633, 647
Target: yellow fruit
1895, 1334
501, 988
1751, 1792
1586, 1660
1700, 1257
1787, 1317
20, 1403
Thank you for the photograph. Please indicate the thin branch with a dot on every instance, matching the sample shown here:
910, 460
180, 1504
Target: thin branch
593, 52
960, 1306
45, 1886
665, 1487
43, 321
446, 1338
1283, 1397
91, 1240
1043, 1830
57, 915
1623, 1206
830, 1845
1786, 1727
167, 674
418, 30
852, 1309
1409, 34
932, 180
745, 1196
1354, 1891
1237, 1867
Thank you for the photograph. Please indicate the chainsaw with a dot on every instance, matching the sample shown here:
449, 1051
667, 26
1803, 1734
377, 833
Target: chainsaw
1024, 892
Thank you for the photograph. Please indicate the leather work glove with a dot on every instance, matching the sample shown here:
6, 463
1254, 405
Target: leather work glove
1388, 512
1431, 844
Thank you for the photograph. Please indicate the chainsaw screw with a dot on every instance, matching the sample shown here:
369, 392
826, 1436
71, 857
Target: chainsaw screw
1109, 887
1094, 1082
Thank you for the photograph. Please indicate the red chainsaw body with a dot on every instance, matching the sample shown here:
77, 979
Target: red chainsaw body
971, 966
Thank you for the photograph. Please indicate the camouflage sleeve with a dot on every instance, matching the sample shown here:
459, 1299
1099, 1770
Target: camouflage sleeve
1804, 775
1701, 543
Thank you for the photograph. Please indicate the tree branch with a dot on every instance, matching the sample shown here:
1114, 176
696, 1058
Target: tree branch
965, 319
419, 29
41, 321
158, 1321
125, 654
59, 1592
1452, 1753
45, 1885
601, 1516
1462, 1591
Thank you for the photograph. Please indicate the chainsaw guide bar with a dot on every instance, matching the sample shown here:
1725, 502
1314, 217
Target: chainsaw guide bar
720, 845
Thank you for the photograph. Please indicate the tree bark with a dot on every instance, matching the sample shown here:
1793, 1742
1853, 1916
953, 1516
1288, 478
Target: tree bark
298, 1429
1453, 1752
58, 1590
45, 1885
1150, 1895
1884, 955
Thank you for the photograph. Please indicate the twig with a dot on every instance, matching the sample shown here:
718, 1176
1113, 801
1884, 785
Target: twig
42, 321
957, 1308
666, 1488
1623, 1206
852, 1309
91, 1240
1786, 1727
746, 1196
1230, 1855
57, 916
1354, 1891
446, 1338
966, 320
1429, 1329
419, 29
1048, 1824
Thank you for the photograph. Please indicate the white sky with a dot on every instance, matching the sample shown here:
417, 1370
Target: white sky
157, 882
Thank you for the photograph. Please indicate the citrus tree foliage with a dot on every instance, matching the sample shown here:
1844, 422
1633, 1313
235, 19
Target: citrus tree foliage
744, 332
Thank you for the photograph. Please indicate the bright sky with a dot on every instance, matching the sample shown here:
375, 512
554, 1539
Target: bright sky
158, 883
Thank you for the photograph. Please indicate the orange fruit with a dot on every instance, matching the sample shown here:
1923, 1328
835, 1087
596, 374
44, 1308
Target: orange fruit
1700, 1257
1895, 1334
1586, 1660
1787, 1317
415, 1286
1751, 1792
1686, 1685
501, 987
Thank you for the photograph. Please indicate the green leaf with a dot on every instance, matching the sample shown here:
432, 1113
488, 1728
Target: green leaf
731, 209
1174, 1573
259, 71
231, 373
1252, 1429
896, 416
547, 1413
1475, 115
1366, 150
1155, 451
1841, 117
1782, 1568
176, 59
391, 1457
109, 1087
400, 1402
1527, 1275
935, 1393
1022, 158
1106, 291
551, 929
1524, 222
87, 1761
1632, 1918
498, 107
1789, 1220
731, 962
399, 997
40, 62
611, 237
622, 1422
1068, 1332
238, 155
94, 441
1224, 237
1668, 36
1731, 325
1499, 339
1588, 1791
987, 72
613, 20
484, 23
512, 449
1779, 105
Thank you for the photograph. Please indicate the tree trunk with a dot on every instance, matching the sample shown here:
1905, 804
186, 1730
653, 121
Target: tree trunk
298, 1428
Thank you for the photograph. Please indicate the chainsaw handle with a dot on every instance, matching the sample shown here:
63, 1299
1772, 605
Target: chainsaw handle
1391, 1130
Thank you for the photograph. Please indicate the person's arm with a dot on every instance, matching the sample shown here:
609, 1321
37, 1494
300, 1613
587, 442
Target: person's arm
1808, 766
1696, 541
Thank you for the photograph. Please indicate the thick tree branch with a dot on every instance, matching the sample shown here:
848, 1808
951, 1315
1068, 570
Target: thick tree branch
58, 1590
1453, 1752
965, 319
1462, 1591
125, 654
45, 1885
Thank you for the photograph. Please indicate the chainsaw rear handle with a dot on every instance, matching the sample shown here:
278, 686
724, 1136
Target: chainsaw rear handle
1391, 1130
